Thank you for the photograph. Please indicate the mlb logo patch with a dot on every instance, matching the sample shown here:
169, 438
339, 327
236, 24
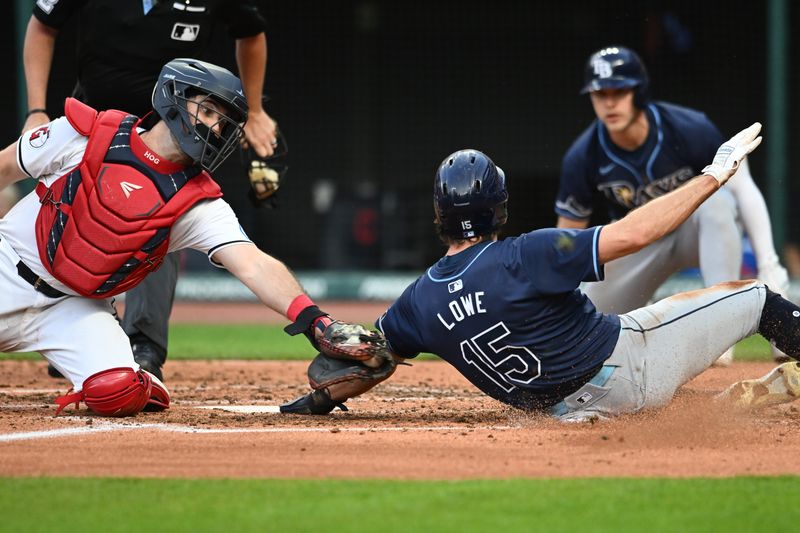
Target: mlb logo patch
584, 398
185, 32
455, 286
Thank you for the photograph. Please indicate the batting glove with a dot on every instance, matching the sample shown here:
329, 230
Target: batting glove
730, 154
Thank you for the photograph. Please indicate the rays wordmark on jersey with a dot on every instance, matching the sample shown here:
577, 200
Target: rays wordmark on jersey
623, 193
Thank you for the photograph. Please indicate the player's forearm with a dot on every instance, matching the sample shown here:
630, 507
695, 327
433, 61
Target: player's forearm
9, 170
655, 219
37, 57
251, 58
268, 278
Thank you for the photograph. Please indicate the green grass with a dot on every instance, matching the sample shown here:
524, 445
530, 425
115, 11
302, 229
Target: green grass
499, 506
226, 341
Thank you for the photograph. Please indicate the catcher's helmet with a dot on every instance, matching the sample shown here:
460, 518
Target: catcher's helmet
617, 67
181, 79
469, 195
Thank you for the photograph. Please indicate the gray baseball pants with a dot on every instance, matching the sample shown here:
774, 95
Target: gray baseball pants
664, 345
149, 304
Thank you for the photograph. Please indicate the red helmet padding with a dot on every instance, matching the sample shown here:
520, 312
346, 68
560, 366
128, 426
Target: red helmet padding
117, 391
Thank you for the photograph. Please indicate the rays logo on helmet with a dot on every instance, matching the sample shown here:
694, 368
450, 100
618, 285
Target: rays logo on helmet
602, 68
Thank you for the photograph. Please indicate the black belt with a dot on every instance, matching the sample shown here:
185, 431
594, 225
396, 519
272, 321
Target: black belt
38, 283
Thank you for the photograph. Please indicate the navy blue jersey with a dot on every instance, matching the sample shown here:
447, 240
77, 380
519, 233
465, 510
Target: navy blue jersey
509, 316
680, 142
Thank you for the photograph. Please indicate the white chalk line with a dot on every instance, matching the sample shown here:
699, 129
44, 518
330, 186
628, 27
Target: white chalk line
106, 426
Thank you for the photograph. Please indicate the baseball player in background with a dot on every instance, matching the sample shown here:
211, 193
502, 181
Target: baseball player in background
122, 45
115, 194
509, 316
637, 150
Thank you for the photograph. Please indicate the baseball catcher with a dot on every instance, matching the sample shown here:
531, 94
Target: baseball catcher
351, 361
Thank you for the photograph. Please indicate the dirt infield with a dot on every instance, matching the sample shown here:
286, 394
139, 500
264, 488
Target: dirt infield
427, 422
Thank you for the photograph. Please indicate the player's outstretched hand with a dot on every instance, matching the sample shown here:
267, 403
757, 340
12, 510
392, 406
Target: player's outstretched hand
730, 154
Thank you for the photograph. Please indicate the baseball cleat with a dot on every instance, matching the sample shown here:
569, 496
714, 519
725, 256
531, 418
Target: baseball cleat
726, 359
316, 402
53, 372
149, 356
781, 385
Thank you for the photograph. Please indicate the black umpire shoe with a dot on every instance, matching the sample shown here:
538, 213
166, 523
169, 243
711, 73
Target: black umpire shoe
149, 355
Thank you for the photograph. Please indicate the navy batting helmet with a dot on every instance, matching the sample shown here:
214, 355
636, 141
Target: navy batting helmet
469, 195
181, 79
616, 67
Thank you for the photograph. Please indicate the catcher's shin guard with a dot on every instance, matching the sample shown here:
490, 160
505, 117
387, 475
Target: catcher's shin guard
780, 324
781, 385
119, 391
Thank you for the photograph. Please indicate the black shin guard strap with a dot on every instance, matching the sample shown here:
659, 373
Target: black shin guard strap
780, 324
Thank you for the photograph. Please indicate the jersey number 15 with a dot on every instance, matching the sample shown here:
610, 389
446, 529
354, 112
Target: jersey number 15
507, 366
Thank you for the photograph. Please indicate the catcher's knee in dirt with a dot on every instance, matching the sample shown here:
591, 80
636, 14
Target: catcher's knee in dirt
118, 392
780, 324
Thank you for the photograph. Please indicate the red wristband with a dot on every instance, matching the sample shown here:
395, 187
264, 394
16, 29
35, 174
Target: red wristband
297, 305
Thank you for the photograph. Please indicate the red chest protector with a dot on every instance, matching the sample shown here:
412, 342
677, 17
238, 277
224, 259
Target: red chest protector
105, 225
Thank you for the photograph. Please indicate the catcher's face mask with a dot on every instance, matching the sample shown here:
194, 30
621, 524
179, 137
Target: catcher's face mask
204, 108
219, 132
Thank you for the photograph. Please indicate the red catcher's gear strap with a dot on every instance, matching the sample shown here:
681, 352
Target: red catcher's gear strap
68, 398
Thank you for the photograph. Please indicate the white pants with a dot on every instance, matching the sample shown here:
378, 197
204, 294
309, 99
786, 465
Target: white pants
709, 239
79, 336
663, 346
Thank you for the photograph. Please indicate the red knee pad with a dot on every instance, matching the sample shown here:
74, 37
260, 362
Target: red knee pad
114, 392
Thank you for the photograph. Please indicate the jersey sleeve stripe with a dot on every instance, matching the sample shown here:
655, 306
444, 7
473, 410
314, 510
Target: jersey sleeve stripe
219, 247
20, 164
598, 269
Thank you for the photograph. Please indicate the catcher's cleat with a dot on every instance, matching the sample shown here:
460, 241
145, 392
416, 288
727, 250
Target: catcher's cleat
149, 356
53, 372
353, 341
317, 402
781, 385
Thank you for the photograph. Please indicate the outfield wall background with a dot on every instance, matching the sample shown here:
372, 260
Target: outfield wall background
373, 94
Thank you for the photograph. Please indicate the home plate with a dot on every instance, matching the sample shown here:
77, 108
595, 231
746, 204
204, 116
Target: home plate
250, 409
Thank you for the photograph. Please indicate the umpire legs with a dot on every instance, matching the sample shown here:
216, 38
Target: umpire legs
146, 317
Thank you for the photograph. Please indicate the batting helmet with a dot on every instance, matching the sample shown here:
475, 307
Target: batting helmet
617, 67
469, 195
181, 79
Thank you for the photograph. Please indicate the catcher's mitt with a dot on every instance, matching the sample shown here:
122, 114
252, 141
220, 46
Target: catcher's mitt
339, 339
335, 381
353, 341
266, 175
